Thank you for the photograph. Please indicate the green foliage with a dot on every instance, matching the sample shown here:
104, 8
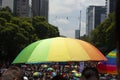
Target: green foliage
43, 29
53, 31
16, 20
2, 21
6, 15
7, 38
86, 38
37, 19
6, 9
27, 26
26, 19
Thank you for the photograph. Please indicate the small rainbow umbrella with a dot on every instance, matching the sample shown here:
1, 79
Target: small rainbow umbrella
74, 71
110, 65
77, 74
59, 49
35, 74
44, 66
50, 69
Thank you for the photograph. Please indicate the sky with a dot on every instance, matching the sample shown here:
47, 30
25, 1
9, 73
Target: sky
65, 14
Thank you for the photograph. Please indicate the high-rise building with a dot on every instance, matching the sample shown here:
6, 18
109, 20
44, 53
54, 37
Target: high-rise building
21, 7
40, 8
0, 4
110, 6
94, 16
77, 34
6, 3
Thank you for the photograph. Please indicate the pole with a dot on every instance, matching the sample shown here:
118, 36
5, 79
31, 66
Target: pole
80, 24
117, 30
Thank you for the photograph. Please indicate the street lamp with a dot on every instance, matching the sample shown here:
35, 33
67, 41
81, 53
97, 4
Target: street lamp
80, 24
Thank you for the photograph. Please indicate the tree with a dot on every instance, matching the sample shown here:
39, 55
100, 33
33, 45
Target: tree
7, 39
103, 36
14, 38
26, 19
2, 21
54, 32
6, 9
29, 32
6, 15
86, 38
43, 29
16, 20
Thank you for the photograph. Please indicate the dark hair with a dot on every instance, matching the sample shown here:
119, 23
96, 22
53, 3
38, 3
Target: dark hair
58, 77
89, 72
12, 73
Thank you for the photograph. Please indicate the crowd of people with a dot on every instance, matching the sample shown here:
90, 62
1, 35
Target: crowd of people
51, 71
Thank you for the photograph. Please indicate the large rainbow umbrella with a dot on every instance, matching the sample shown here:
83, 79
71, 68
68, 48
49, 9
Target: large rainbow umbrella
109, 66
59, 49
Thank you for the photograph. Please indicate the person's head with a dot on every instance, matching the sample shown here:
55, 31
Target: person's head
58, 77
90, 73
12, 73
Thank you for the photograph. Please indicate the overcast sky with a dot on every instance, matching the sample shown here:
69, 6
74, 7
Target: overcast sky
65, 14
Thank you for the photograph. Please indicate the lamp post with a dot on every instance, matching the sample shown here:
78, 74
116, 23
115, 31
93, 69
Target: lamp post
80, 24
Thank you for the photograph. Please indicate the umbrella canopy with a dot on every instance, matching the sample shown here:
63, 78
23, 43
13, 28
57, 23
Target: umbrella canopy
37, 74
44, 66
109, 66
59, 49
74, 71
50, 69
77, 74
54, 74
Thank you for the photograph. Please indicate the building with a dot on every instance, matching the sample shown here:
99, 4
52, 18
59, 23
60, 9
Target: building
0, 4
40, 8
6, 3
77, 34
21, 8
110, 6
94, 16
27, 8
18, 7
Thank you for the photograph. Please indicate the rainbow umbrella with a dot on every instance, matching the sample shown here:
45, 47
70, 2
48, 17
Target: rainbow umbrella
50, 69
59, 49
74, 71
109, 66
53, 74
44, 66
35, 74
77, 74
